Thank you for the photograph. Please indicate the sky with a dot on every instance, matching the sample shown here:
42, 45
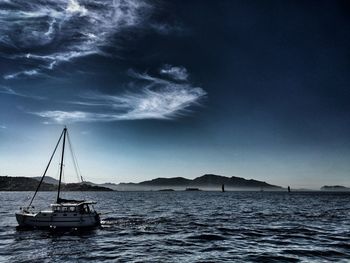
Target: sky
152, 88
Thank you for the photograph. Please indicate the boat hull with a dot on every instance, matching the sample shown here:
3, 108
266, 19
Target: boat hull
41, 220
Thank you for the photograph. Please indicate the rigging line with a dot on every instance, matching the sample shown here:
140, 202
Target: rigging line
58, 171
75, 161
47, 167
73, 157
63, 179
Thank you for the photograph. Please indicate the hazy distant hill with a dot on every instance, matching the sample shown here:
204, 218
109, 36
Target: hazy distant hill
8, 183
84, 187
215, 180
110, 185
47, 179
207, 181
107, 185
175, 181
339, 188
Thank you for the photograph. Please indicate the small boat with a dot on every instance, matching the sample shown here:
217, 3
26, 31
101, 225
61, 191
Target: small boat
64, 213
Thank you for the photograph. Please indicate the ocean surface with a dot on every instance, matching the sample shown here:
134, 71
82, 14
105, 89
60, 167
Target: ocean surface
188, 227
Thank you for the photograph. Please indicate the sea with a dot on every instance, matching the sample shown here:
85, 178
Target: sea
187, 227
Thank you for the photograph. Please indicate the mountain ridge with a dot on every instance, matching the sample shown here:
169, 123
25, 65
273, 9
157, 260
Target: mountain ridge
205, 182
335, 188
21, 183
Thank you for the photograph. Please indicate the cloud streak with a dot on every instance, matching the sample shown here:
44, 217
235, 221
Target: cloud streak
46, 33
9, 91
176, 73
155, 99
21, 73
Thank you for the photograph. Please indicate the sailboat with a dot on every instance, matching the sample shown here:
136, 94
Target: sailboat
64, 213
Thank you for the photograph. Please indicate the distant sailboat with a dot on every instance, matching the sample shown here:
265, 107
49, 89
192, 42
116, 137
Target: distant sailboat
64, 213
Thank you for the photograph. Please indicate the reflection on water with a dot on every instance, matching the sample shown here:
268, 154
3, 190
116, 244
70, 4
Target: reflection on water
189, 226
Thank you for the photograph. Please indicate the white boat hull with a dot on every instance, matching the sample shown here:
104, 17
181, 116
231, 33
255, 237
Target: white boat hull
58, 220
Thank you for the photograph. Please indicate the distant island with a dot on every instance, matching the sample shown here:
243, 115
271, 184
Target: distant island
8, 183
205, 182
338, 188
192, 189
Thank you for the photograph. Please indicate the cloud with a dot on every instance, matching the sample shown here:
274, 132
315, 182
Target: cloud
157, 99
65, 116
10, 91
44, 34
21, 73
176, 73
74, 7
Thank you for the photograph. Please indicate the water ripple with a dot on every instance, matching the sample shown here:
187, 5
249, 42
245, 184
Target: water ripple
190, 227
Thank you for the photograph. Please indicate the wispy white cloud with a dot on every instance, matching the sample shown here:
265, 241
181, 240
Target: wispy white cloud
68, 116
47, 33
22, 73
176, 73
10, 91
157, 99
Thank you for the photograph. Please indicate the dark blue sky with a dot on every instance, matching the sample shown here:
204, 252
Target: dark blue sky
257, 89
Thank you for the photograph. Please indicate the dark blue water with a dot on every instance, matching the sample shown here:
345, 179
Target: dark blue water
189, 227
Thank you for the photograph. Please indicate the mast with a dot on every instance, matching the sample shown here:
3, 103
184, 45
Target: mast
47, 167
61, 167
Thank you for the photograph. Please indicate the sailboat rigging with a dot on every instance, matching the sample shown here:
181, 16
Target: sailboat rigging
64, 213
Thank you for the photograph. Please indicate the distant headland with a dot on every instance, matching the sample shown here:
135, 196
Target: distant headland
9, 183
336, 188
205, 182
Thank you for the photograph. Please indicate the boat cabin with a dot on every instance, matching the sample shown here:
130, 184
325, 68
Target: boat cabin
85, 207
